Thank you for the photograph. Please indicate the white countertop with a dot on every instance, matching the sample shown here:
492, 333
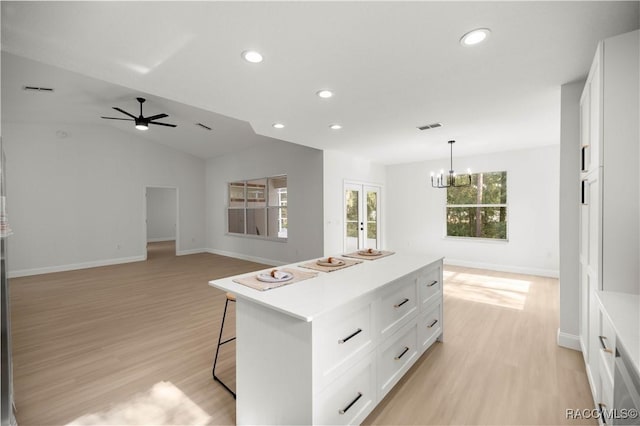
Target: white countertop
624, 312
310, 298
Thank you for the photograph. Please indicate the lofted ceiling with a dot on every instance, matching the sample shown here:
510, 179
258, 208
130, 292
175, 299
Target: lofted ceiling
393, 66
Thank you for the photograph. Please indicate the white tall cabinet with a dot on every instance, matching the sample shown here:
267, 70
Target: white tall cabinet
610, 198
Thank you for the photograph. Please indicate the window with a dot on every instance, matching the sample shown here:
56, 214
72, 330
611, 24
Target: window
258, 207
480, 209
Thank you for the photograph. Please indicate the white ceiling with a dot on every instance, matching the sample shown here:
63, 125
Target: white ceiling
393, 66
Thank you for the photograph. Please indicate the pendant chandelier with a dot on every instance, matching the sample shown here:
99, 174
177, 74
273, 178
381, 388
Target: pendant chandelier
451, 179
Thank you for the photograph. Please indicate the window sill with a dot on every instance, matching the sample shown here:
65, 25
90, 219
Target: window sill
477, 239
257, 237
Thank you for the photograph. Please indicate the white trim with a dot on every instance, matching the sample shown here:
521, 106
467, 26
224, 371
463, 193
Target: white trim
552, 273
191, 251
159, 240
75, 266
246, 257
570, 341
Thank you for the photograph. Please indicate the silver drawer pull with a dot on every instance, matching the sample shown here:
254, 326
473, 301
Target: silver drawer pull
406, 348
397, 305
435, 321
434, 282
345, 409
604, 345
349, 337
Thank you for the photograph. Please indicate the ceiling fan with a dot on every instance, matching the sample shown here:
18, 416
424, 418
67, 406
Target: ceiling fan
142, 123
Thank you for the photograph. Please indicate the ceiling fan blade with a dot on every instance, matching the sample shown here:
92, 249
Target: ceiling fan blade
163, 124
125, 112
114, 118
156, 117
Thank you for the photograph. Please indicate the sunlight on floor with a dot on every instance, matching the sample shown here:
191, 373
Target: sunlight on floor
163, 404
503, 292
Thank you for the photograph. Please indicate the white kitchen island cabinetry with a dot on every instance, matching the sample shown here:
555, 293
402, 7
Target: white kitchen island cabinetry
326, 350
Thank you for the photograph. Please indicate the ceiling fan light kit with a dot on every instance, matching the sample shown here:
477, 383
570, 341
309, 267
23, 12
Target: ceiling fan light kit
141, 122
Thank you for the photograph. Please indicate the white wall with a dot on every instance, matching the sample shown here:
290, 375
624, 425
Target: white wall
161, 214
303, 167
339, 167
79, 201
416, 212
569, 214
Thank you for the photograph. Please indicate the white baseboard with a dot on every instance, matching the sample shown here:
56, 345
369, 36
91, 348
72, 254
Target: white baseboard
570, 341
74, 266
256, 259
504, 268
190, 251
159, 240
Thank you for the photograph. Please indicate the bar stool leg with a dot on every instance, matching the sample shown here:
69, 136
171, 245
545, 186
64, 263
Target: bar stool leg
220, 343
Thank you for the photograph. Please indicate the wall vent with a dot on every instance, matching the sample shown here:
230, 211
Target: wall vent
37, 89
203, 126
430, 126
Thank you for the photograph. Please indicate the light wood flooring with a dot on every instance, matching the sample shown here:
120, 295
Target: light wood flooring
134, 343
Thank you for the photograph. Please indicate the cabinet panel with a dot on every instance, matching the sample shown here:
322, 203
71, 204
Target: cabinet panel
398, 304
342, 339
395, 357
429, 286
350, 398
429, 326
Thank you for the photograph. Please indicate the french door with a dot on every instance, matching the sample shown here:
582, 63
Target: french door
361, 217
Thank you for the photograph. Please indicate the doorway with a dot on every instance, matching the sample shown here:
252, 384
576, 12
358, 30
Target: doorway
161, 221
362, 225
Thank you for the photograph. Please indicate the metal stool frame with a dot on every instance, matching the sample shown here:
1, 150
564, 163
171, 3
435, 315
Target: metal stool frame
220, 343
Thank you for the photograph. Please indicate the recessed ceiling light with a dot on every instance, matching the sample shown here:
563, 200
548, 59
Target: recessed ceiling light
474, 37
324, 93
335, 127
278, 125
252, 56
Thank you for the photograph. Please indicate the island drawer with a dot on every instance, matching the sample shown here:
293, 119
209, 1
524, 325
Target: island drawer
350, 398
429, 285
342, 339
398, 303
429, 326
396, 356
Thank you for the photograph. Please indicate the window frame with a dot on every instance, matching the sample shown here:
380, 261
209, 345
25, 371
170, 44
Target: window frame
479, 239
266, 209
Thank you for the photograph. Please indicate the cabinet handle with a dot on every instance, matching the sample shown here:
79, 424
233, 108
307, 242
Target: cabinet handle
397, 305
435, 321
602, 414
584, 158
349, 337
406, 348
583, 192
433, 283
604, 345
345, 409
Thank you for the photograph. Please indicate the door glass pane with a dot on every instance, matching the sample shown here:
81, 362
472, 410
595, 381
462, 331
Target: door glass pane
352, 205
372, 219
236, 221
256, 222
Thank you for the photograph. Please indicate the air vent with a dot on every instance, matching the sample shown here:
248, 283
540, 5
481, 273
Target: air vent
37, 89
430, 126
203, 126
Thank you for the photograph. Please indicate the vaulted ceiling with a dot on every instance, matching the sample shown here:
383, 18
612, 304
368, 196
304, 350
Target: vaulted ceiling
393, 66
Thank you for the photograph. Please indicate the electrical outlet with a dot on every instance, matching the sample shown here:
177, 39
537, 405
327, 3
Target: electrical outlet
117, 246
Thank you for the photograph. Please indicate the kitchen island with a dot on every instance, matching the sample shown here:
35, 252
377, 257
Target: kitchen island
327, 349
